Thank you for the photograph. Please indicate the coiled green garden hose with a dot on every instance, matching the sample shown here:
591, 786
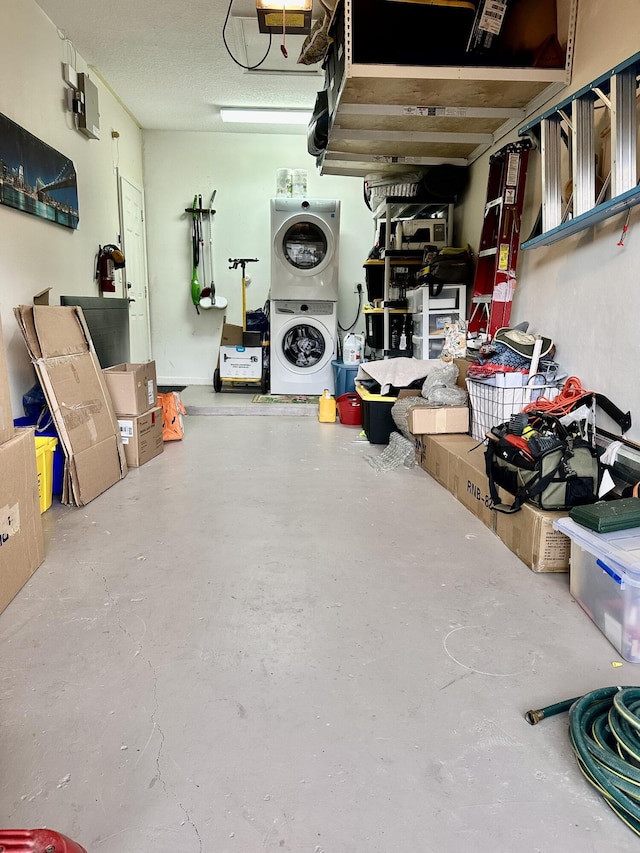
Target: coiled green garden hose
604, 727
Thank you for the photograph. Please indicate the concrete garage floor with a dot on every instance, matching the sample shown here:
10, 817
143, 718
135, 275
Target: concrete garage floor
257, 642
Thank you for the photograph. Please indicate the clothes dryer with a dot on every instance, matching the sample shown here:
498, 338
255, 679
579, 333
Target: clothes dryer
303, 345
305, 234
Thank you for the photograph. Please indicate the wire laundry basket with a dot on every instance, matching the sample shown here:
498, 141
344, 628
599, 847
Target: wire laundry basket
494, 400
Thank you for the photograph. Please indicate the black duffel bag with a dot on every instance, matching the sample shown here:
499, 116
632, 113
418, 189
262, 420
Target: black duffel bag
449, 266
550, 467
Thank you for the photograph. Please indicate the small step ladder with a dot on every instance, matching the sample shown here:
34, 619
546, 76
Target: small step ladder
495, 277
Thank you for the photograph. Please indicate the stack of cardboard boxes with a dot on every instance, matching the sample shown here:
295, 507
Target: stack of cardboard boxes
134, 394
456, 461
21, 539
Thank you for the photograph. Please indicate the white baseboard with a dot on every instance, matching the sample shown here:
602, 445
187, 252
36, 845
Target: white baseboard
183, 380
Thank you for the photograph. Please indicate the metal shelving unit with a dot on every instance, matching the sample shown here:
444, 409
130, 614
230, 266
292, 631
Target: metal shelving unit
394, 209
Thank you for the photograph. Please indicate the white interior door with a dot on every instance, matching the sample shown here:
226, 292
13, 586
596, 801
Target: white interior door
135, 251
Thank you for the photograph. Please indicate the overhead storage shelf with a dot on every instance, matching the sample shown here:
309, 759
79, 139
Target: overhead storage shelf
389, 111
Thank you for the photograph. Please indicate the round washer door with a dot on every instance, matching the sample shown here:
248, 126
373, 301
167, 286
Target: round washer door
304, 244
303, 346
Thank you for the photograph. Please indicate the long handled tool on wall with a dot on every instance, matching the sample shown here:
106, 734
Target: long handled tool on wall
208, 298
196, 234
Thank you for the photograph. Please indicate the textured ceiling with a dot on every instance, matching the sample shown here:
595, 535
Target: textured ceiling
166, 61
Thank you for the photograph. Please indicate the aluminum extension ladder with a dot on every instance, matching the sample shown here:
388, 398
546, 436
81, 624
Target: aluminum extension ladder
495, 277
566, 137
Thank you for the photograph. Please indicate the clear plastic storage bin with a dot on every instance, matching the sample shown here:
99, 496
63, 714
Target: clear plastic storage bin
605, 581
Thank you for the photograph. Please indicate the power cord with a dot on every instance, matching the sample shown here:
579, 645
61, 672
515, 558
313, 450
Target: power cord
228, 49
348, 329
572, 392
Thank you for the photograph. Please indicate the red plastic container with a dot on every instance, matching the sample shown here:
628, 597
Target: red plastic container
349, 409
37, 841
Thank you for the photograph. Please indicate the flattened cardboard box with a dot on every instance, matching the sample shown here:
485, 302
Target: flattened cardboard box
142, 437
133, 387
6, 416
21, 540
62, 352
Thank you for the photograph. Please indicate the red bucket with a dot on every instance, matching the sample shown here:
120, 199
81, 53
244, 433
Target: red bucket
349, 409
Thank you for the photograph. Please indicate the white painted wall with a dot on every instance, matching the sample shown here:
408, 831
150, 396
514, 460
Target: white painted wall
35, 254
242, 169
582, 291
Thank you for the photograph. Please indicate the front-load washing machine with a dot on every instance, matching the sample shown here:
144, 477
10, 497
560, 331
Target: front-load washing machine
305, 236
303, 345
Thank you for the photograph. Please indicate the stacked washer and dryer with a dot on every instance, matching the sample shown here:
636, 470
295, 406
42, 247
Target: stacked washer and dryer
304, 294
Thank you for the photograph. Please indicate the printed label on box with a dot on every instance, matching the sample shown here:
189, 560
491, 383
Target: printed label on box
557, 547
126, 429
492, 15
9, 523
150, 395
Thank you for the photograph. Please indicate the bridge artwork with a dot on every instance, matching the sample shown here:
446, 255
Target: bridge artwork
35, 178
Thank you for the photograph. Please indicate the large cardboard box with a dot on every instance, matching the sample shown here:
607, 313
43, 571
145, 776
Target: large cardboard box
133, 387
470, 482
141, 436
6, 417
530, 535
437, 455
21, 540
66, 364
231, 335
457, 462
425, 420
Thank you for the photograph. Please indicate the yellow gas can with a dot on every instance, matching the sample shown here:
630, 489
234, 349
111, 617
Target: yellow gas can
326, 408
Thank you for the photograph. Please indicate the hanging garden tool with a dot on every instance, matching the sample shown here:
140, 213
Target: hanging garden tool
283, 46
208, 298
196, 233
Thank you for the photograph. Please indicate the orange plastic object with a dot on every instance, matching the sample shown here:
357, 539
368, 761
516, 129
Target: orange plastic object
172, 412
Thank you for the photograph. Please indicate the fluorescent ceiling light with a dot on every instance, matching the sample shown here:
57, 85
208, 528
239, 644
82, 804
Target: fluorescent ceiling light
266, 116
